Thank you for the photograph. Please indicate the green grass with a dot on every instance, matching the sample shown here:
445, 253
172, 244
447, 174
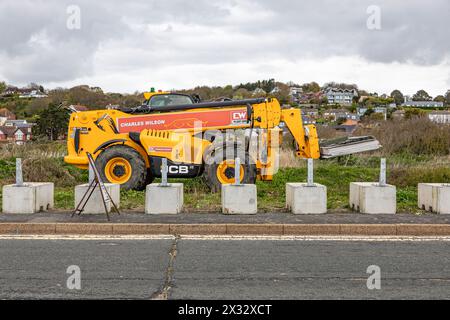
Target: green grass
271, 195
404, 172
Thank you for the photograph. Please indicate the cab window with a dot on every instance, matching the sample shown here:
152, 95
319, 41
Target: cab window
169, 100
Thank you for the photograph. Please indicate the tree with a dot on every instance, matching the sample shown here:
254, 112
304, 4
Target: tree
266, 85
311, 87
398, 97
439, 98
52, 122
447, 97
422, 95
414, 113
2, 86
242, 93
341, 120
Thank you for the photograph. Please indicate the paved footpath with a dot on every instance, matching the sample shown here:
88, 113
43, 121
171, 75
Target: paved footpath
132, 223
203, 218
218, 268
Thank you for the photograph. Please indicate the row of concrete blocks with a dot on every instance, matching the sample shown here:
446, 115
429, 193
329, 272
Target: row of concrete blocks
365, 197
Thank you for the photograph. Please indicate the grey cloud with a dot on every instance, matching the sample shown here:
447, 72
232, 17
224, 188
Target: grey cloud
210, 32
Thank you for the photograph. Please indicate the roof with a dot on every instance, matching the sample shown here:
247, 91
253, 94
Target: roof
16, 122
79, 107
422, 103
337, 111
350, 122
339, 90
440, 112
346, 128
5, 112
23, 125
8, 131
22, 129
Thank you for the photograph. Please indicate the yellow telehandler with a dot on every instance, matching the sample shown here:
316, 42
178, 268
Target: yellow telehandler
129, 143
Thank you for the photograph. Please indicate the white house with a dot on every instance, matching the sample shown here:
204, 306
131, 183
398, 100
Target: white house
439, 116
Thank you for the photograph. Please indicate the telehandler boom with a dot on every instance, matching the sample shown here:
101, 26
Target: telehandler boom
128, 144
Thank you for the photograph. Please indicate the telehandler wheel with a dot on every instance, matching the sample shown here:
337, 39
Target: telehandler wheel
221, 171
122, 165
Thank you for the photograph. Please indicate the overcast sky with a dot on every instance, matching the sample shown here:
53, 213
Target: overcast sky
124, 46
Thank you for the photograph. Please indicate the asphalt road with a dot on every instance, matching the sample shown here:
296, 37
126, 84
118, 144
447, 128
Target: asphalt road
224, 269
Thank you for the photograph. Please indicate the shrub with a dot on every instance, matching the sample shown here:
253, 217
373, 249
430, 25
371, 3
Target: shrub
416, 135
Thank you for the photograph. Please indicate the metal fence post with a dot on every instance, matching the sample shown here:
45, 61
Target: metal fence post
382, 181
164, 171
237, 171
19, 175
310, 181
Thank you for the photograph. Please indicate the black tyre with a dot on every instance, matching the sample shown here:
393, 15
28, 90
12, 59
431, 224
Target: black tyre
219, 170
123, 165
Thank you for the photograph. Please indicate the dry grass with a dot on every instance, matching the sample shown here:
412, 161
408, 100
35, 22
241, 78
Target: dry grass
327, 132
33, 150
415, 136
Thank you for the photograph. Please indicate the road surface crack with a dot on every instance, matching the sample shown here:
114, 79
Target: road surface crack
164, 292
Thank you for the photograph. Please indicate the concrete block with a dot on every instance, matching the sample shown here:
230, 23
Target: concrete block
31, 197
371, 198
240, 199
434, 197
304, 199
164, 200
95, 203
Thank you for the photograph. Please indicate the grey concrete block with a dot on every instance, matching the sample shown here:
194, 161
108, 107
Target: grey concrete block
434, 197
31, 197
304, 199
240, 199
164, 200
371, 198
95, 203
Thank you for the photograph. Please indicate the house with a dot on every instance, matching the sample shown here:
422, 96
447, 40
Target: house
423, 104
9, 91
32, 94
308, 120
259, 92
392, 105
96, 89
16, 131
439, 116
308, 106
22, 134
339, 96
295, 93
18, 135
7, 114
335, 114
307, 97
313, 113
7, 133
14, 123
381, 110
275, 90
360, 111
